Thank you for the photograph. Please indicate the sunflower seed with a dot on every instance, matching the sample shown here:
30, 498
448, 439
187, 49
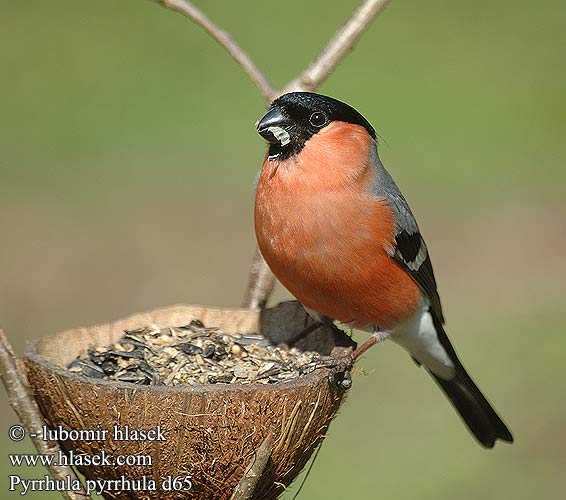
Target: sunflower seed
193, 354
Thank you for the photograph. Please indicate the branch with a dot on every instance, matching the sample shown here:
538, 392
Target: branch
242, 58
338, 47
30, 416
245, 488
261, 281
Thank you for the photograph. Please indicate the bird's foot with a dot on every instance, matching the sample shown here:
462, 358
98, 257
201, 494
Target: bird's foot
339, 366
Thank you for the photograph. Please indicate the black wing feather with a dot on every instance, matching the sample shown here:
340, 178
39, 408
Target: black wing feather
407, 249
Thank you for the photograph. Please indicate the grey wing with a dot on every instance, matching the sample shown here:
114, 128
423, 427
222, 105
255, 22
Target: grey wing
410, 250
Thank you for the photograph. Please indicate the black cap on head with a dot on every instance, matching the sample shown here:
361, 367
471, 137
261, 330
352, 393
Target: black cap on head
295, 117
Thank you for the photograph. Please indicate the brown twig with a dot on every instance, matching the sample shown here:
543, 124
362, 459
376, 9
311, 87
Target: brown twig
338, 47
241, 57
245, 488
22, 402
260, 283
261, 280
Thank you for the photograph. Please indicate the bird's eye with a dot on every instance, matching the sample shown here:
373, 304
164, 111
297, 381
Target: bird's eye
317, 119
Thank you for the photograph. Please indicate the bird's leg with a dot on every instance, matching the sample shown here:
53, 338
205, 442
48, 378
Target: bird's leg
348, 360
378, 336
364, 347
301, 335
340, 366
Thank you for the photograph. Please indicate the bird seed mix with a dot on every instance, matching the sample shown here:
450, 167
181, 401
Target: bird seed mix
193, 354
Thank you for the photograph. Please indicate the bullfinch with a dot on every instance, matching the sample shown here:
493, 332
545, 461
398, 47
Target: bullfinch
336, 231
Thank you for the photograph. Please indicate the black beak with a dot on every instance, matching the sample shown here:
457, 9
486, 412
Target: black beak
273, 118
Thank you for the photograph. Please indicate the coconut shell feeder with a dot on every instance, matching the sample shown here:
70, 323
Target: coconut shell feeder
213, 431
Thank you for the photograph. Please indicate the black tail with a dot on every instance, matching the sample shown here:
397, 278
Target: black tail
474, 409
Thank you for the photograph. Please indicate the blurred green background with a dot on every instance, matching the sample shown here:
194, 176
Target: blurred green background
127, 158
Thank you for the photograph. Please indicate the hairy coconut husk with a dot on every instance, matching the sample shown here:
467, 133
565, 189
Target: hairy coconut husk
212, 430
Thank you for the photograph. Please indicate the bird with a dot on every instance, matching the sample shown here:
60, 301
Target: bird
338, 234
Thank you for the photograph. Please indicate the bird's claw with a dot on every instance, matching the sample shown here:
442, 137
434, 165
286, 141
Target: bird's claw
339, 369
340, 379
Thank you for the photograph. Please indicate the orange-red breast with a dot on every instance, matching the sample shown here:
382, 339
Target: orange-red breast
336, 231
